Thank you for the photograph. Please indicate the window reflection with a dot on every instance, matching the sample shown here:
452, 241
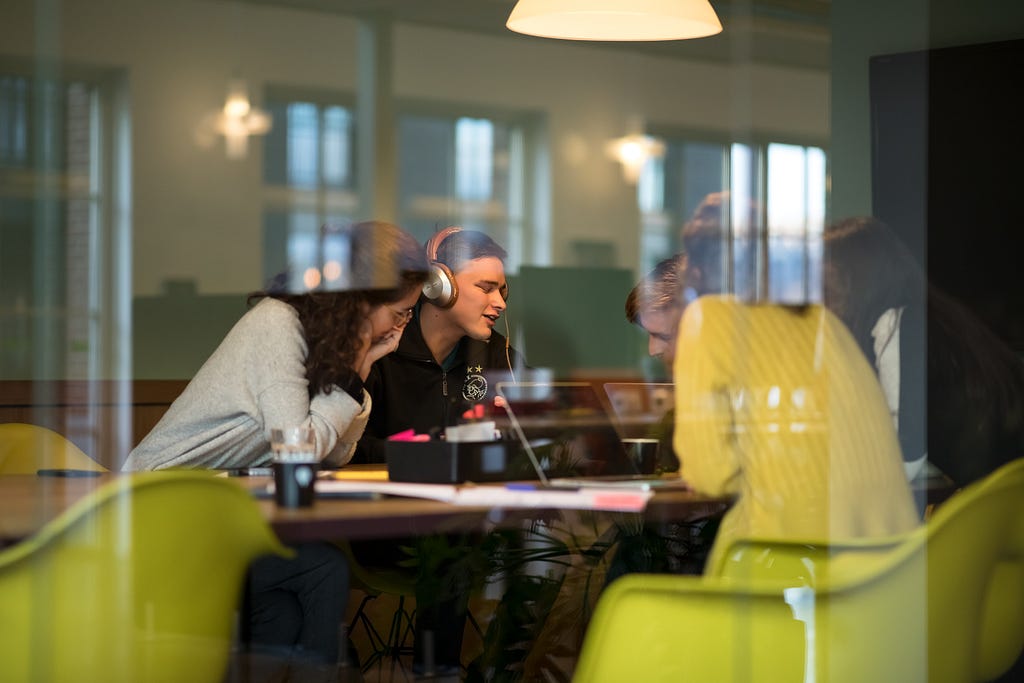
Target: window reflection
740, 187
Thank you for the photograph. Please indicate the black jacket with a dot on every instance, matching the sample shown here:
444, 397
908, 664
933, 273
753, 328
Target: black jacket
410, 390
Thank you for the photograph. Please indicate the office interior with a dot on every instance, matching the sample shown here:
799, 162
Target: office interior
135, 219
131, 220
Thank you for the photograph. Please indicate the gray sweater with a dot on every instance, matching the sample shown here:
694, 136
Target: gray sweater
253, 382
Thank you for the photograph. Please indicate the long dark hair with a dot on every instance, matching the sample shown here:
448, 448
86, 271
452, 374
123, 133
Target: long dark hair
868, 270
386, 264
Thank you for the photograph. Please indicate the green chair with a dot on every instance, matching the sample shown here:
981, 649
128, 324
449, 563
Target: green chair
941, 603
137, 582
26, 448
373, 583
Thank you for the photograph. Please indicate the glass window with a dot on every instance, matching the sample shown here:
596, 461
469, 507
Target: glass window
310, 182
466, 171
51, 243
453, 170
764, 203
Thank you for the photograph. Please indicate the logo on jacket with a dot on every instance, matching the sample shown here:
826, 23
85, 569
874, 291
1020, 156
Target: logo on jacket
475, 388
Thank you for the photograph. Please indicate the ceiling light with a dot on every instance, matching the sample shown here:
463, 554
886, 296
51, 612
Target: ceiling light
615, 19
239, 119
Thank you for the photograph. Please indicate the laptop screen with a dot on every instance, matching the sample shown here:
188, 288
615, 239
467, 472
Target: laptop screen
639, 406
565, 430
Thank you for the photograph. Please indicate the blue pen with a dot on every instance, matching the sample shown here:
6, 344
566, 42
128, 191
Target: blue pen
520, 486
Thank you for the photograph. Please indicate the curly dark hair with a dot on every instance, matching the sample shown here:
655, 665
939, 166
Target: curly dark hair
386, 265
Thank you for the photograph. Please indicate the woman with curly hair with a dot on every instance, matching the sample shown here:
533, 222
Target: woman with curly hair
295, 359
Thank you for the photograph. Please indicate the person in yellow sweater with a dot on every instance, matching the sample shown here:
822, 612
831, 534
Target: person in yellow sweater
777, 406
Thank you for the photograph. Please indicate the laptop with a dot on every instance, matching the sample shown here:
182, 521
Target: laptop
569, 438
639, 407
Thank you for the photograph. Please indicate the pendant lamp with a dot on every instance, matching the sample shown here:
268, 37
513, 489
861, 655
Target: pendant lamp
615, 19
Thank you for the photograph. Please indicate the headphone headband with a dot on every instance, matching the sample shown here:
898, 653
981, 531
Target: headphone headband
435, 241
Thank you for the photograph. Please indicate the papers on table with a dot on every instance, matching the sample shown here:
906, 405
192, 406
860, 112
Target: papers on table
499, 496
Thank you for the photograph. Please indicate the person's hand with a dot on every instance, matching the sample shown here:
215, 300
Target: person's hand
378, 348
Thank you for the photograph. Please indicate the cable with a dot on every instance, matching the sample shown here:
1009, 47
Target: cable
508, 354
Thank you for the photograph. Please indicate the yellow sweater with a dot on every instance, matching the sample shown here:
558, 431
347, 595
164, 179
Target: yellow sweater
778, 406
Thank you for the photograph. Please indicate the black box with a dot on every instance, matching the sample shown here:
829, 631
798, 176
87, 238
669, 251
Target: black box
441, 462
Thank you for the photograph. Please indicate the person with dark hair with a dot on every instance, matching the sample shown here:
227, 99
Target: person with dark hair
955, 390
295, 359
445, 364
442, 365
720, 242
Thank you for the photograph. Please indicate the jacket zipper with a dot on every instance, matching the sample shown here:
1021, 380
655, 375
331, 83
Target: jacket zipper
444, 383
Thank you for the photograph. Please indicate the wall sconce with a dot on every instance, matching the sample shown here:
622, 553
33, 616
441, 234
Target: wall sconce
239, 119
633, 151
615, 19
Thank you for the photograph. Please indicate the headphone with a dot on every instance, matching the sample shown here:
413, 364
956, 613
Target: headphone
440, 288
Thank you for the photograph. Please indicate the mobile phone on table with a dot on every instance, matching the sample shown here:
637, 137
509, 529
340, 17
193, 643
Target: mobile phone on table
68, 473
251, 472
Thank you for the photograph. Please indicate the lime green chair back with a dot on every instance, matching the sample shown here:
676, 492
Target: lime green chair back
26, 448
941, 603
139, 581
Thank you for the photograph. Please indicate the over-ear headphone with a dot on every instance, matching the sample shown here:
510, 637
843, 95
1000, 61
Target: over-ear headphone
440, 288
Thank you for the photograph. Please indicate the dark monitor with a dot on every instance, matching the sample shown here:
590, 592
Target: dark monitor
947, 144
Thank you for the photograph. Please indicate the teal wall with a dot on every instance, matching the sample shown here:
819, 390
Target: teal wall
568, 319
173, 334
573, 321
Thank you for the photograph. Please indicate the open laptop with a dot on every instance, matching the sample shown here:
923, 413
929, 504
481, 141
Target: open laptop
569, 438
639, 407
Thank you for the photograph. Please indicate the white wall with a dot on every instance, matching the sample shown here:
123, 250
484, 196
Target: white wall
197, 214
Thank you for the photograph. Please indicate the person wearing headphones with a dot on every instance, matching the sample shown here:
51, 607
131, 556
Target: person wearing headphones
448, 360
449, 353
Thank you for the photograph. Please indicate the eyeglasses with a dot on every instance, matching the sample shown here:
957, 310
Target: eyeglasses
401, 318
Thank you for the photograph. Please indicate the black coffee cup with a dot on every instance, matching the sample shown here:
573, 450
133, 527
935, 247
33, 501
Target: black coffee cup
643, 453
295, 483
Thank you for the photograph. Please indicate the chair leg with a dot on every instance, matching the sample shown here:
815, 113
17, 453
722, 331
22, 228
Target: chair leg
377, 643
400, 631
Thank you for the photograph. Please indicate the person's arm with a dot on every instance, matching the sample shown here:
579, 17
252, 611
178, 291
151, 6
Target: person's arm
371, 446
337, 418
909, 404
706, 438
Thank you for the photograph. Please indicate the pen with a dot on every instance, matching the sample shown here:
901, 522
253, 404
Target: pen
520, 486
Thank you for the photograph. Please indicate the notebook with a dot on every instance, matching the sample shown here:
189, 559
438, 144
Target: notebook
569, 438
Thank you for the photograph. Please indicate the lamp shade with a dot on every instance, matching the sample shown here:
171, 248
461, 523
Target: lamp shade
615, 19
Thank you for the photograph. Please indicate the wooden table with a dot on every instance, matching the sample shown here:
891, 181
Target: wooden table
27, 502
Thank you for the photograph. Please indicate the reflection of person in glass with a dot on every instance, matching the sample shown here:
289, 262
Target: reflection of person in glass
955, 390
720, 242
776, 406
